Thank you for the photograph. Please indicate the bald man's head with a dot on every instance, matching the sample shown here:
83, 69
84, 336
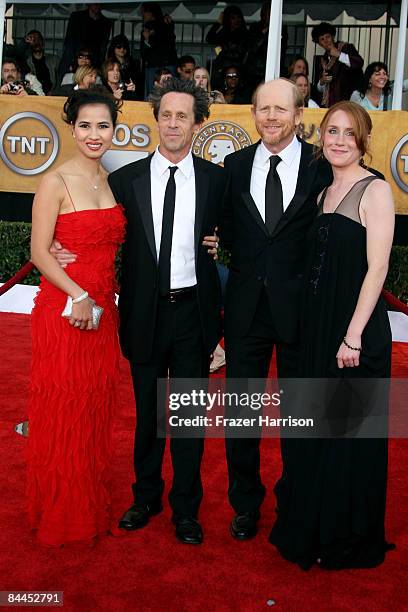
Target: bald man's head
277, 111
287, 85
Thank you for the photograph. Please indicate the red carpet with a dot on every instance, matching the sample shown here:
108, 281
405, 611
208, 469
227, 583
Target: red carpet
149, 570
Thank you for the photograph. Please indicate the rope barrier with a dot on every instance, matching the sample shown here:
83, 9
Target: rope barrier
394, 302
391, 300
18, 276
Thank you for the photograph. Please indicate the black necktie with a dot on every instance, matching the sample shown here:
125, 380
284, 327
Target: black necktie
273, 195
167, 233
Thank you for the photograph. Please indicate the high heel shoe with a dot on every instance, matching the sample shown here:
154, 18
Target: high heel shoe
22, 429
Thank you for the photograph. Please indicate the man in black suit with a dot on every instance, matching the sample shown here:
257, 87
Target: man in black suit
270, 204
90, 28
170, 299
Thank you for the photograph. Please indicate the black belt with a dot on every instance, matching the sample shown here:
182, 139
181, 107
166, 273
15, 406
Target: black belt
177, 295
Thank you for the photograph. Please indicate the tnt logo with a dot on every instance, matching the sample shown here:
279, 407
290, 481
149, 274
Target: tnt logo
28, 143
399, 163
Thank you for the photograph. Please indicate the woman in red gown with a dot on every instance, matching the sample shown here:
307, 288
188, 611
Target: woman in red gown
75, 365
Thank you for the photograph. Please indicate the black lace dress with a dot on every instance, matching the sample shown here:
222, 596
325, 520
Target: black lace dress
332, 493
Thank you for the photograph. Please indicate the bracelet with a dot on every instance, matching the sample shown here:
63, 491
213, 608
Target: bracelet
80, 298
353, 348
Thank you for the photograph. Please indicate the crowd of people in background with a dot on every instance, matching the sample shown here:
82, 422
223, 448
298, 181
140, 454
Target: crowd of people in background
91, 56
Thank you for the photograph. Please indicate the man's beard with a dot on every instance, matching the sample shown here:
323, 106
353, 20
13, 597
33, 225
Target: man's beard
274, 139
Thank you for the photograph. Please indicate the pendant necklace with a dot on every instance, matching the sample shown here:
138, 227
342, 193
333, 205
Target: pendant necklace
94, 186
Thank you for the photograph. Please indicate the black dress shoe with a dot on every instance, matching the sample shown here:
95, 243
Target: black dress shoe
244, 526
188, 530
138, 516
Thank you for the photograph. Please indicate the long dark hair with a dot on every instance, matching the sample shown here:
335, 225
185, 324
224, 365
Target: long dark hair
120, 39
368, 73
230, 10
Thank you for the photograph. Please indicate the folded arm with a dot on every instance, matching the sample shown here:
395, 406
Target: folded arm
46, 207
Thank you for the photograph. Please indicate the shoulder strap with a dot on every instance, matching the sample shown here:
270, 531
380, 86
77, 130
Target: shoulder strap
322, 198
69, 195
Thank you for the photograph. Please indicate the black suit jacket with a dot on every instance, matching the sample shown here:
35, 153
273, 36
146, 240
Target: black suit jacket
131, 187
259, 259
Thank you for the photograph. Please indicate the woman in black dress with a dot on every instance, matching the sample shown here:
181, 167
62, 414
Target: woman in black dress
332, 493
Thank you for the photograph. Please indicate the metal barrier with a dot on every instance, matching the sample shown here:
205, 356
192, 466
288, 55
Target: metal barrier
190, 35
374, 42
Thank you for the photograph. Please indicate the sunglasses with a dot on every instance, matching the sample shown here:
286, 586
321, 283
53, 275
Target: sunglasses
83, 56
120, 47
232, 75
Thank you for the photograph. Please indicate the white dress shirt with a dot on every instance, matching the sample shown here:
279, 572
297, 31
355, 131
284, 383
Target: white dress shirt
288, 170
182, 262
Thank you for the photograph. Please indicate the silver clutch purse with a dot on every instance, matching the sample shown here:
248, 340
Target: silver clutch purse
96, 312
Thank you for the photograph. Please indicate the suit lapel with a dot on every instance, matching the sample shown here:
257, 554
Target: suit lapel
142, 191
201, 193
305, 179
246, 171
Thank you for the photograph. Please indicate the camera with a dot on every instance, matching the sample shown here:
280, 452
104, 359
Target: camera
15, 86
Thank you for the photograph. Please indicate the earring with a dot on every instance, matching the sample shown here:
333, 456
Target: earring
369, 84
73, 135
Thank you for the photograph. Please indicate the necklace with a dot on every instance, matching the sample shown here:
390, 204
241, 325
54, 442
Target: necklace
94, 185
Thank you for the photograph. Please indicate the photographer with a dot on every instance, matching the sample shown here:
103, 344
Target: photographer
111, 79
12, 82
43, 65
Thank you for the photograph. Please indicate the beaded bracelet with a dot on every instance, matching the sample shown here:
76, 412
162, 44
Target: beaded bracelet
353, 348
80, 298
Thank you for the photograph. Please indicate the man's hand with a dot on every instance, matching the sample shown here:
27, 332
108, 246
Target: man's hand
63, 256
334, 52
212, 242
326, 78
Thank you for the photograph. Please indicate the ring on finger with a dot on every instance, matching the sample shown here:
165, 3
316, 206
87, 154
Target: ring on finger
77, 324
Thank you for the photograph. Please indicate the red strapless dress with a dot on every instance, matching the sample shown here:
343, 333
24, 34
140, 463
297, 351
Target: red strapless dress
73, 394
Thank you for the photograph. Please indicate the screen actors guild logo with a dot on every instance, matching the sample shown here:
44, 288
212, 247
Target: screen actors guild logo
218, 139
399, 163
28, 143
